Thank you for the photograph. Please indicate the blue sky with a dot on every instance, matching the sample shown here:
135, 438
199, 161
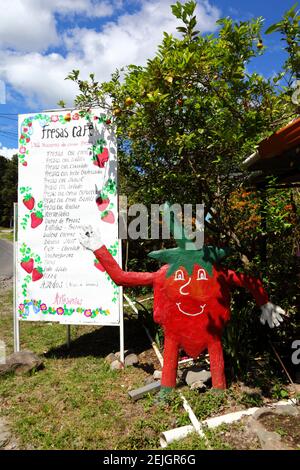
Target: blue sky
42, 41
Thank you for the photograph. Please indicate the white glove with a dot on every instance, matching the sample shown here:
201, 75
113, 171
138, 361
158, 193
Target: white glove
272, 314
91, 238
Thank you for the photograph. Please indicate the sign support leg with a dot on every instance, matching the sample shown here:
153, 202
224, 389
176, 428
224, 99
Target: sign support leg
121, 314
15, 316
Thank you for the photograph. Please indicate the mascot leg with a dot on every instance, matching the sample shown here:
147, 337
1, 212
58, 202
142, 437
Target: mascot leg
215, 352
169, 371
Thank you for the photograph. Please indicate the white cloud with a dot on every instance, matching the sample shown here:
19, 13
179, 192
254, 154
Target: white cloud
24, 26
40, 79
30, 25
130, 38
6, 152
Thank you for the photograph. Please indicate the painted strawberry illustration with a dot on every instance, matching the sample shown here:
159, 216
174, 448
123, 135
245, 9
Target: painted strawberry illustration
101, 158
29, 201
102, 203
99, 266
37, 274
27, 264
36, 219
108, 217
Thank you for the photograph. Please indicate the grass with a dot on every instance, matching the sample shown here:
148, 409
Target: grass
4, 235
77, 402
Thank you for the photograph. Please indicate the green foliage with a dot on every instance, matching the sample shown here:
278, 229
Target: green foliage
279, 392
8, 189
185, 122
289, 28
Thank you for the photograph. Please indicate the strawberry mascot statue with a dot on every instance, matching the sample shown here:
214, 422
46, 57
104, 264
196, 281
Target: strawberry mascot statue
191, 299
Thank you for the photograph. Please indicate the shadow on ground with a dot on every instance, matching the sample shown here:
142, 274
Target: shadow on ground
104, 340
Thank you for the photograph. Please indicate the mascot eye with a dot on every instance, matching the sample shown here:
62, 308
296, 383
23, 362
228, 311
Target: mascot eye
201, 275
179, 275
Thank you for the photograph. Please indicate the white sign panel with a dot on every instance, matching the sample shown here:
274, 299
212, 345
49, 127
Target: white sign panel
63, 157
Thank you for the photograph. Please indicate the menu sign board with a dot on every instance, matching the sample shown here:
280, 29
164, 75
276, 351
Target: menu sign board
67, 180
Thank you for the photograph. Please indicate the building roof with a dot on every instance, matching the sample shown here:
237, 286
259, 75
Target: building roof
277, 155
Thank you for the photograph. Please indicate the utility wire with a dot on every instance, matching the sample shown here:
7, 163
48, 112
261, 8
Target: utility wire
9, 118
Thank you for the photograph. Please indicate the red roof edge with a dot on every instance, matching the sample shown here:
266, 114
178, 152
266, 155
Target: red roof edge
282, 140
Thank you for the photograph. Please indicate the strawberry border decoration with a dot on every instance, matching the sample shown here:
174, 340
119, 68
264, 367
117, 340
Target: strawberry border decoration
36, 215
28, 199
31, 263
110, 188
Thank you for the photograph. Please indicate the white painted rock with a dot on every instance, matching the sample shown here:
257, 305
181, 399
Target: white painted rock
200, 386
157, 374
195, 374
126, 353
116, 365
21, 362
110, 358
131, 360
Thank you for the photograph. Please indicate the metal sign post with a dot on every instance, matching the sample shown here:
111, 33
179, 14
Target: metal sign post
15, 251
121, 316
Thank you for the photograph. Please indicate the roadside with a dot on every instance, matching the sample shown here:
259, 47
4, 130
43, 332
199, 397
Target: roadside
6, 234
6, 259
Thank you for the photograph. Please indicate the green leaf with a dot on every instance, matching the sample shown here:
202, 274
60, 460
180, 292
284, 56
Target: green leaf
272, 28
291, 12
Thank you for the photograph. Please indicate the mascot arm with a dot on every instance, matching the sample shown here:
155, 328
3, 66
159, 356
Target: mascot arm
252, 284
120, 277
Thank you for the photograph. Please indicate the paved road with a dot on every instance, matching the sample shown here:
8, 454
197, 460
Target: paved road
6, 258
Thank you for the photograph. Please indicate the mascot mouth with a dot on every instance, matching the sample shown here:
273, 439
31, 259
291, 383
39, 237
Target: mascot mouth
191, 314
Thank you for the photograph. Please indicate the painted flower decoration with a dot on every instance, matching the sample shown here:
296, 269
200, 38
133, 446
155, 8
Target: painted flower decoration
54, 118
88, 313
75, 116
43, 307
60, 311
21, 306
22, 149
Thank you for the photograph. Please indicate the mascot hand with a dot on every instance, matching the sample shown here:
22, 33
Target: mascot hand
272, 314
91, 238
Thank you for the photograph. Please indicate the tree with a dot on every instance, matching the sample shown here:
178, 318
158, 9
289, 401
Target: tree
186, 121
8, 189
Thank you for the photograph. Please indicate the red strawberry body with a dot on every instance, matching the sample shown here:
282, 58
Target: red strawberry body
29, 203
35, 220
102, 203
28, 265
108, 217
36, 275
